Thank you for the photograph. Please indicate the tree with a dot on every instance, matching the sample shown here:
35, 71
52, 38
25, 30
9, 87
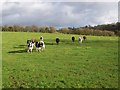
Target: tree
52, 29
65, 30
28, 29
34, 28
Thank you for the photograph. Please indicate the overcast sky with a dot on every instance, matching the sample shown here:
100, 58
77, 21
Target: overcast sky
59, 14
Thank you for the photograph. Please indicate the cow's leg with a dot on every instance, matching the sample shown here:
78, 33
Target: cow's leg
81, 41
40, 49
36, 49
31, 50
28, 50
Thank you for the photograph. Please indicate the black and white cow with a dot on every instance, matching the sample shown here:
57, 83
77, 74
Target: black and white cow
40, 46
30, 46
80, 39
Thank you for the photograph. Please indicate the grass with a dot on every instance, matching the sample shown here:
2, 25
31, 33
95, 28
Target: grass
93, 64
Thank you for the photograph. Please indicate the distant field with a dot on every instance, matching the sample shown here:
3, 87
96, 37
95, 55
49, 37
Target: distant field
93, 64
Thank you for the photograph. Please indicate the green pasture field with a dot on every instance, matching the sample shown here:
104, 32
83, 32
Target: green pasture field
92, 64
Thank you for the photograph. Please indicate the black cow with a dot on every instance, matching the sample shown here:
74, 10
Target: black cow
73, 39
57, 40
84, 38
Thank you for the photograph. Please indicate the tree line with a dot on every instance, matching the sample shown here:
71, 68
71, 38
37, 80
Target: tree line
33, 28
115, 27
81, 31
99, 30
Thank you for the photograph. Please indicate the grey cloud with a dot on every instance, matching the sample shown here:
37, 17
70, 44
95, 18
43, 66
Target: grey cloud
59, 14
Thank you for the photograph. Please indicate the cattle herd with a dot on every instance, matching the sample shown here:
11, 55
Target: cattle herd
40, 45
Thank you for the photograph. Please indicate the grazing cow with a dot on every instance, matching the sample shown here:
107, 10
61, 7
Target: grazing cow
40, 46
57, 40
73, 39
80, 39
30, 47
84, 38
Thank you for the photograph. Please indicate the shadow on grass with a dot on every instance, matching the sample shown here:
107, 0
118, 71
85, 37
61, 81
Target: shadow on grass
50, 43
20, 46
18, 51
